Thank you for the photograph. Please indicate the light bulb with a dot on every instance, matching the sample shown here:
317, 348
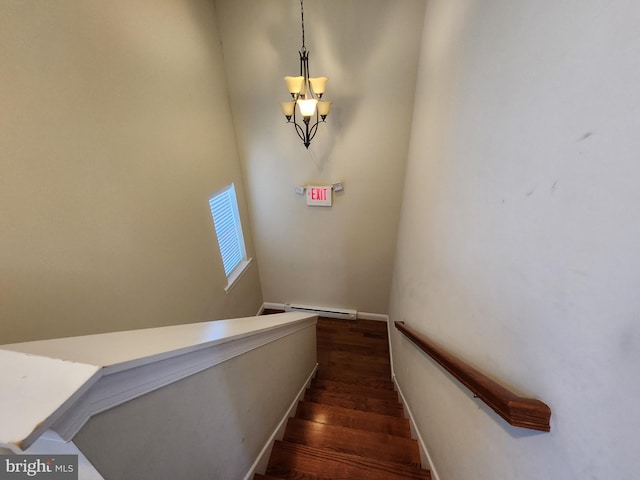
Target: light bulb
307, 107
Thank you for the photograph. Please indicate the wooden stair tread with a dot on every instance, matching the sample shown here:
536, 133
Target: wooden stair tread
358, 328
351, 358
346, 417
357, 334
358, 369
374, 332
302, 462
354, 378
351, 337
334, 340
336, 386
360, 324
337, 438
356, 402
363, 349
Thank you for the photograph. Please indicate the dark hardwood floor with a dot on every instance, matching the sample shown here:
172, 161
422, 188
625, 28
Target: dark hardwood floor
350, 424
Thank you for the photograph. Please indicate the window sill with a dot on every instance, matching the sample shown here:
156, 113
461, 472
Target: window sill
237, 274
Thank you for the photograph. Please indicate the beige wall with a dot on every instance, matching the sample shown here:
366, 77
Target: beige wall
518, 243
115, 128
340, 256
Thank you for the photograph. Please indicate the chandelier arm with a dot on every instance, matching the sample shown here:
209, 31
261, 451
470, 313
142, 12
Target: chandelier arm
301, 133
307, 132
312, 132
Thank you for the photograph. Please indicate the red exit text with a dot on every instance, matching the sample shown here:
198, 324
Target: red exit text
316, 193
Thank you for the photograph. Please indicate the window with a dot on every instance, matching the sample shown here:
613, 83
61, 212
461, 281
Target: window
226, 220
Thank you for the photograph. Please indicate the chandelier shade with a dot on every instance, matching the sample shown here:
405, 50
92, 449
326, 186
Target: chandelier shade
294, 85
287, 108
318, 85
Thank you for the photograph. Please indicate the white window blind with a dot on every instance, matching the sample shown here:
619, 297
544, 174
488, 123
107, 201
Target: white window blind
226, 219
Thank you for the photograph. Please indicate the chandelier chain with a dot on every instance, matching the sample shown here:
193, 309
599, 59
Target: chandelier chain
302, 17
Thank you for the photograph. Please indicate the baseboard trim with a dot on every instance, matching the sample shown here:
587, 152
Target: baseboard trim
425, 458
373, 316
260, 463
322, 311
379, 317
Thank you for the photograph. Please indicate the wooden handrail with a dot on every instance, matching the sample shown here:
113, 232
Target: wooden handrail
517, 411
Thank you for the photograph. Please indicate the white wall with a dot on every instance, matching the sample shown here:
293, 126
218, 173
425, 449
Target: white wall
115, 128
518, 241
340, 256
211, 425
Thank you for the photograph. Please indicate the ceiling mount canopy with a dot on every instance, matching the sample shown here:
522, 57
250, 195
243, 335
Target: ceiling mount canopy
306, 93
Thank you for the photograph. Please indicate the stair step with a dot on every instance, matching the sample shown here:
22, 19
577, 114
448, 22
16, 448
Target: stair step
352, 336
362, 349
344, 357
357, 333
362, 368
347, 376
357, 371
302, 462
357, 330
356, 345
380, 446
321, 384
358, 327
346, 417
356, 402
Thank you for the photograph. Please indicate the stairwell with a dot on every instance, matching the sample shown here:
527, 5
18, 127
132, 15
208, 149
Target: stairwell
350, 424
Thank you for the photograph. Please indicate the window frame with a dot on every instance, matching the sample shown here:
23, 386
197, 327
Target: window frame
226, 233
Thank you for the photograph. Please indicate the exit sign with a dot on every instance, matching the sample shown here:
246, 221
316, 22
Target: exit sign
319, 196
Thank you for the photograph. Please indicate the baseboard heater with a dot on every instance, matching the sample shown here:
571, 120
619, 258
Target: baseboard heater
322, 311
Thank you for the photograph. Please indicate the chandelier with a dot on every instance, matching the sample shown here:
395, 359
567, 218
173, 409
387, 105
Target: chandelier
306, 93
